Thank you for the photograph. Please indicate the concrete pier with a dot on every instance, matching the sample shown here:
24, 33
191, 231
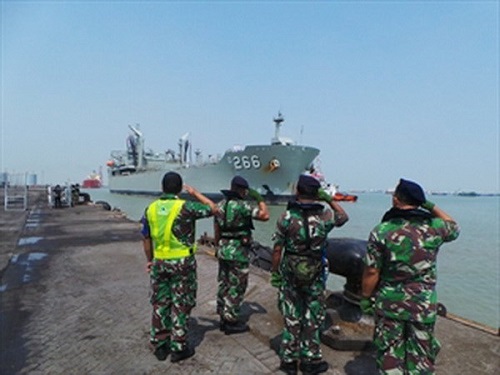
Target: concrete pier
75, 300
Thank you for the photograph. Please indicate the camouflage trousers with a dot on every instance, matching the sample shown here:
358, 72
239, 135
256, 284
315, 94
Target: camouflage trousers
233, 282
405, 347
174, 286
303, 310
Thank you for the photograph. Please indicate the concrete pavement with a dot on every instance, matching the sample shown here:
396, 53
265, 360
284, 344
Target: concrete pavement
75, 300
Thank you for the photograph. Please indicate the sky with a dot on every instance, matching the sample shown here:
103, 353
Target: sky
385, 89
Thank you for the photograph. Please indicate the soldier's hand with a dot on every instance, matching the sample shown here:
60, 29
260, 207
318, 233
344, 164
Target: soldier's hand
252, 193
428, 205
189, 189
324, 196
276, 279
366, 305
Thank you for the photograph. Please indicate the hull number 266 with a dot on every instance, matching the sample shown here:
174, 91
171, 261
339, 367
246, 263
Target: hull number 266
246, 162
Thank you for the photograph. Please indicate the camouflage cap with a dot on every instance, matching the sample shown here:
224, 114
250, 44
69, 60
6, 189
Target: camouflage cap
411, 191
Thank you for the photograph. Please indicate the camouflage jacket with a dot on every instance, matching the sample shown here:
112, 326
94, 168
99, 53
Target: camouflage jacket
405, 251
303, 243
235, 229
184, 225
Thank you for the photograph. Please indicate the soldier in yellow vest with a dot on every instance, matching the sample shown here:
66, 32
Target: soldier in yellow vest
169, 245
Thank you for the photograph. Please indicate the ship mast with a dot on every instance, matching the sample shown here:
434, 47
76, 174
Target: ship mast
277, 123
138, 146
278, 140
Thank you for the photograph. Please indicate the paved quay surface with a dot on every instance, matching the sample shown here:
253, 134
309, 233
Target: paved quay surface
12, 223
74, 299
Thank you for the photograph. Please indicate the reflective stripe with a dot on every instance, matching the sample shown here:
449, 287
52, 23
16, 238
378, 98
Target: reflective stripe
161, 215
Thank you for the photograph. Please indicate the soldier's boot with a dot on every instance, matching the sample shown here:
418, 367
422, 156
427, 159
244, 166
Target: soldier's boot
235, 327
312, 368
162, 352
289, 368
182, 355
222, 325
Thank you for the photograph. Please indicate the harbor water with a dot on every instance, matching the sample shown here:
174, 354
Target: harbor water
468, 268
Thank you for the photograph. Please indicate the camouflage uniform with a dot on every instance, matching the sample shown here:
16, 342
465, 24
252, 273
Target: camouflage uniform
235, 225
404, 248
301, 297
173, 281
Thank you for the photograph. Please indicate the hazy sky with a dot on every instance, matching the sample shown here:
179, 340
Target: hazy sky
385, 89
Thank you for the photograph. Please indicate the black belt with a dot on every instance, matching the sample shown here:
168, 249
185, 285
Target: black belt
312, 255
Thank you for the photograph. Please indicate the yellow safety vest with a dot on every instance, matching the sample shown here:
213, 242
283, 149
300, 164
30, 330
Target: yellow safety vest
161, 215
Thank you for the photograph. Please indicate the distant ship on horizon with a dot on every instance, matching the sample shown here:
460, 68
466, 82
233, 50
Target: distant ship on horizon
93, 181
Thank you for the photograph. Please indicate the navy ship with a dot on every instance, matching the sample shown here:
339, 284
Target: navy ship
271, 169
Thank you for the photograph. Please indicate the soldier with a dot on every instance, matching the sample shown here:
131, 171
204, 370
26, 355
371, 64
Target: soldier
399, 280
169, 246
57, 196
75, 194
298, 271
233, 234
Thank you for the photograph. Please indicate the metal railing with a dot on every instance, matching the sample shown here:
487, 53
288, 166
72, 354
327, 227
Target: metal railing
16, 192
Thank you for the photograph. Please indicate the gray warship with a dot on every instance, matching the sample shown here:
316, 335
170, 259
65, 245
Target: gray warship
271, 169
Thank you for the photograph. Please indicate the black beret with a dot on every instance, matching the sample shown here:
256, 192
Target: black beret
239, 181
412, 191
306, 181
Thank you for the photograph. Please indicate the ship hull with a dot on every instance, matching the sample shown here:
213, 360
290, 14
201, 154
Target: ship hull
270, 169
91, 184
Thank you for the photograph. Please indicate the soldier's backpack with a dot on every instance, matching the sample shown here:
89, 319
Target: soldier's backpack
307, 265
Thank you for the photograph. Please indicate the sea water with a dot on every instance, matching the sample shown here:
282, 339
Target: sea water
468, 268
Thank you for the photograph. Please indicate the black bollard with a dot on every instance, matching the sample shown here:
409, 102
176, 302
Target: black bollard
345, 329
345, 258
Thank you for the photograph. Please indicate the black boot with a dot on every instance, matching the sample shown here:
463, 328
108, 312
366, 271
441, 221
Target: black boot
289, 368
235, 327
162, 352
183, 354
312, 368
222, 325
